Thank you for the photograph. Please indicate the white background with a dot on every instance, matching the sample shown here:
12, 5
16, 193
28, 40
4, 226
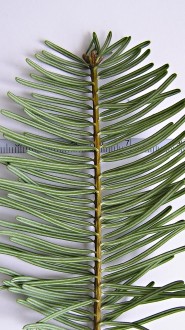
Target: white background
23, 27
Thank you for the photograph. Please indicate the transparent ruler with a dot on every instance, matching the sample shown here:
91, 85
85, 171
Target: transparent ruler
8, 147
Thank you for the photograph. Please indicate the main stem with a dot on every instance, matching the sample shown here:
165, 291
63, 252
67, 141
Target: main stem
97, 283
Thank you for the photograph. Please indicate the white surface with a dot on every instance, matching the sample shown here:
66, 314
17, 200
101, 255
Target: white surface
23, 27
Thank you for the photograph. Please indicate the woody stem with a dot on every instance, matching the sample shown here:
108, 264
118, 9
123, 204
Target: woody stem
97, 283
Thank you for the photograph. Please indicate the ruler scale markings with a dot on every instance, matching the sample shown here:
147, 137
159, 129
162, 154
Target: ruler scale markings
9, 147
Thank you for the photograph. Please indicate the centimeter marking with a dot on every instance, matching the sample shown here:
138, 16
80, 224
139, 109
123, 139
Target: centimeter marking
8, 147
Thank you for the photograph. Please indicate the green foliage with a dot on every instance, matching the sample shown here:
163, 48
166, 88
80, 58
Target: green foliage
56, 185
